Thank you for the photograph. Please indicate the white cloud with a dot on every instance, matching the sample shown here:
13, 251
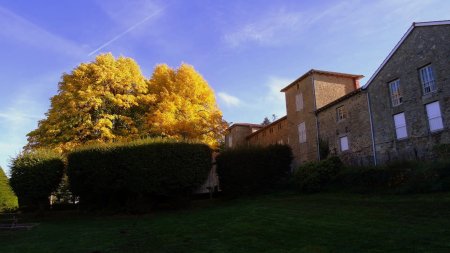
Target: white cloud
274, 98
15, 27
268, 30
228, 99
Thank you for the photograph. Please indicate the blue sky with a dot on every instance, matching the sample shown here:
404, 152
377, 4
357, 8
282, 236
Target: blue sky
246, 50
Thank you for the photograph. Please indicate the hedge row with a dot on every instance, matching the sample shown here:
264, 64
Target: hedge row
252, 170
137, 175
34, 176
399, 177
8, 200
315, 176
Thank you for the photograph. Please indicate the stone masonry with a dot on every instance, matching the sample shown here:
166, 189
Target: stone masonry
425, 45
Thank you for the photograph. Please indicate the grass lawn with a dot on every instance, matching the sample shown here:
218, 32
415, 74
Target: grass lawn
271, 223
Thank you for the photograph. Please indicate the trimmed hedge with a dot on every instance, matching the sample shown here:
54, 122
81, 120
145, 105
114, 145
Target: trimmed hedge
250, 170
34, 176
315, 176
134, 176
8, 200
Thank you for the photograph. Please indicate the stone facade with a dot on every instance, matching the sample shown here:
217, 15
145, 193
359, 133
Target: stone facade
370, 131
274, 133
237, 134
424, 45
317, 88
347, 118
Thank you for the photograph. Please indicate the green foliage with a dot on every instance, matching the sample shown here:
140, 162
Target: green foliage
252, 170
442, 150
8, 200
315, 176
134, 176
324, 149
399, 177
34, 176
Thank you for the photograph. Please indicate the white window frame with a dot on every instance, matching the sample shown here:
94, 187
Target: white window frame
427, 79
400, 126
340, 113
343, 143
230, 141
301, 132
299, 102
434, 116
396, 96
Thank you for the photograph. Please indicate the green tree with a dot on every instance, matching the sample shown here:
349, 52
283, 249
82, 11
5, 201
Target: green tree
35, 175
8, 200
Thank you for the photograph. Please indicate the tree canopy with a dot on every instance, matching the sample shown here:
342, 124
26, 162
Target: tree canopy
185, 106
110, 100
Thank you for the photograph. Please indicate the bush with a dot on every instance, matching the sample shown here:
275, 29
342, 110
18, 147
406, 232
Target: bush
316, 176
399, 177
34, 176
8, 200
442, 150
250, 170
134, 176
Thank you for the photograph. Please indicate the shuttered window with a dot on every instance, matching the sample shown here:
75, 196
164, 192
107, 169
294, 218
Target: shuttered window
434, 116
299, 101
343, 143
302, 132
400, 126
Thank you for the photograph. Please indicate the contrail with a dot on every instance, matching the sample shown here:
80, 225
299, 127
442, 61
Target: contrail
126, 31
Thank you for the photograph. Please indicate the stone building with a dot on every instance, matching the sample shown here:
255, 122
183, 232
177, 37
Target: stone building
402, 112
311, 91
410, 94
344, 128
274, 133
238, 132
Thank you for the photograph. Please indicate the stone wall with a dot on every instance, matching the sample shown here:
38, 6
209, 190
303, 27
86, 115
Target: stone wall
356, 126
236, 135
307, 151
274, 133
424, 45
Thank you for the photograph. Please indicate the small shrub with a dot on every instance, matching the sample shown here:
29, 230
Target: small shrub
316, 176
135, 176
8, 200
34, 176
251, 170
442, 150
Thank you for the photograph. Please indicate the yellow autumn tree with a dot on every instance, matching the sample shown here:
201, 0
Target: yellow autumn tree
185, 106
101, 101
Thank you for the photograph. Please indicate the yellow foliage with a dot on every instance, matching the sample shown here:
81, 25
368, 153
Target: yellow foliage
185, 106
96, 102
109, 100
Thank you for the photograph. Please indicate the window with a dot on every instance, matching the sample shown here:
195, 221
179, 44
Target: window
340, 113
396, 97
299, 101
344, 143
400, 126
427, 79
230, 141
302, 132
434, 116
